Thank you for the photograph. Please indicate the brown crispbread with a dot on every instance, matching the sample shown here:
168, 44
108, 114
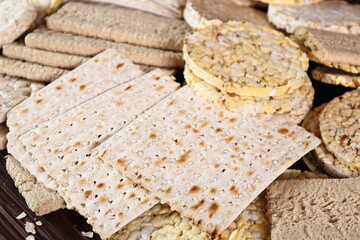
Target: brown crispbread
112, 23
83, 128
3, 131
335, 76
168, 149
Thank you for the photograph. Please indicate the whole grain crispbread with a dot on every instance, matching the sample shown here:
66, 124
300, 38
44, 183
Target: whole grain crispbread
335, 76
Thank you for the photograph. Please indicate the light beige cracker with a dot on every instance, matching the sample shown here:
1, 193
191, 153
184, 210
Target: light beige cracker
291, 2
92, 187
198, 11
180, 142
335, 16
120, 25
52, 59
30, 71
3, 131
242, 58
87, 46
334, 76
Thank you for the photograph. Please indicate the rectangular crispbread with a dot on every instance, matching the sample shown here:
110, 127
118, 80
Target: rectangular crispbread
3, 131
52, 59
62, 148
95, 76
119, 25
206, 163
88, 46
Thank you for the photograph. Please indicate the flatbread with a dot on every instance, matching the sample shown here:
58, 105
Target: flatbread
335, 76
93, 188
198, 11
3, 131
119, 25
225, 56
335, 16
173, 164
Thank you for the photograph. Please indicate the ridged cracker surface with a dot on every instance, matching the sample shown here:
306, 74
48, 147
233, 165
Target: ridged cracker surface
120, 25
13, 90
97, 75
198, 11
62, 148
15, 18
340, 128
335, 16
46, 58
88, 47
335, 76
245, 59
169, 149
292, 106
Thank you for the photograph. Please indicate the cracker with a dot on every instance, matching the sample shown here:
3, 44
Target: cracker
291, 2
38, 198
336, 77
112, 23
13, 90
15, 18
293, 106
93, 77
46, 58
92, 187
88, 47
30, 71
3, 131
198, 11
225, 56
340, 129
345, 67
335, 16
172, 165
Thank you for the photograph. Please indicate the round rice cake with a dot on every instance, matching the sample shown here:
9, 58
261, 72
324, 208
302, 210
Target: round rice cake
245, 59
340, 128
336, 77
295, 105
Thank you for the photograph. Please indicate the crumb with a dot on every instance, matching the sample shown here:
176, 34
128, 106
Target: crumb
21, 216
39, 223
87, 234
30, 227
30, 237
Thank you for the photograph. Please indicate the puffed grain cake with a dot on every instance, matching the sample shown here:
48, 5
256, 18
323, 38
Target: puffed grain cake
72, 135
334, 16
172, 165
112, 23
335, 76
106, 70
245, 59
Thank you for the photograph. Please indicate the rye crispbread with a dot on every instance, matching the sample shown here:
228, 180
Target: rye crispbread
335, 76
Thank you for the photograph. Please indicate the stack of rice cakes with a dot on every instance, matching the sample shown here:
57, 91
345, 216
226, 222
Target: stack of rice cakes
248, 69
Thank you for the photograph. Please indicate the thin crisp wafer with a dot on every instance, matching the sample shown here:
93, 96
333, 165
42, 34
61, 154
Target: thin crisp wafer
172, 165
335, 76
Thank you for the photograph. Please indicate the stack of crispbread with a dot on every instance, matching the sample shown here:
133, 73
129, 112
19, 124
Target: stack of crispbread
248, 69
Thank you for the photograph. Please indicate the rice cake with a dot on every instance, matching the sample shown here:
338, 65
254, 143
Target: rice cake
340, 128
335, 76
112, 23
294, 106
85, 127
207, 140
225, 56
89, 47
199, 11
3, 131
334, 16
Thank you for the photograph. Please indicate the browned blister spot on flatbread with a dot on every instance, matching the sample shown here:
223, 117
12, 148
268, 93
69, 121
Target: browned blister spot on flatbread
83, 87
72, 80
234, 190
198, 205
38, 101
213, 209
152, 136
119, 104
250, 173
24, 110
156, 78
194, 189
121, 161
103, 200
87, 194
283, 131
184, 158
120, 65
119, 186
218, 130
100, 185
58, 88
168, 190
213, 190
128, 88
132, 195
159, 88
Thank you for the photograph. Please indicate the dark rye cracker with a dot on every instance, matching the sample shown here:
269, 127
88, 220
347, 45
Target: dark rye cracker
207, 163
120, 25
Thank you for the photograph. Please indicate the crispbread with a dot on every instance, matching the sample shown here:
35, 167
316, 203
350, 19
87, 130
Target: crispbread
172, 165
290, 2
86, 46
112, 23
92, 187
15, 18
198, 11
225, 56
93, 77
46, 58
13, 90
335, 16
38, 198
30, 71
3, 131
340, 129
334, 76
293, 106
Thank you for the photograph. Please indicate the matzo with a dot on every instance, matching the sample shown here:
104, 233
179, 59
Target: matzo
62, 148
168, 149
